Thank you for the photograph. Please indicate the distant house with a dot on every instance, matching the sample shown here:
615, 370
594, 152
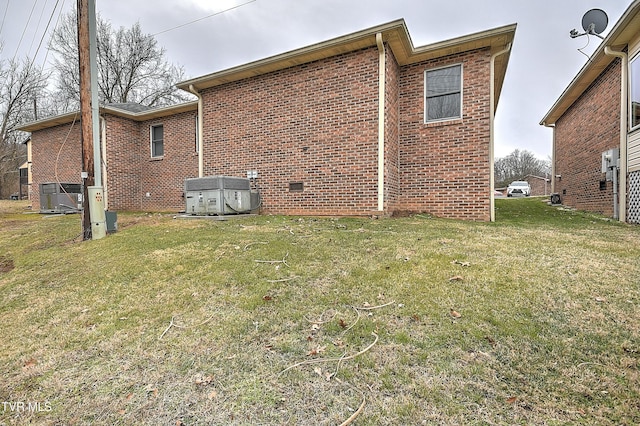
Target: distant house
364, 124
540, 185
596, 128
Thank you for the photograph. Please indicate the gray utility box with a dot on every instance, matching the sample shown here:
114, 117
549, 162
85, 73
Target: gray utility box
217, 195
58, 197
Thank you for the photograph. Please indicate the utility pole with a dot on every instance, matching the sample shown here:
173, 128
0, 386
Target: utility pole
93, 217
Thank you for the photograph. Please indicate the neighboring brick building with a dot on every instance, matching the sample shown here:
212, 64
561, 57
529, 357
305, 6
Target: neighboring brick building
587, 123
337, 128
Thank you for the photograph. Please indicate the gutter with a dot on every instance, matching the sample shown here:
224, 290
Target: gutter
193, 90
622, 181
382, 77
492, 115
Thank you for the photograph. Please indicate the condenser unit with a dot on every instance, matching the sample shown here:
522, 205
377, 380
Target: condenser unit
56, 197
218, 195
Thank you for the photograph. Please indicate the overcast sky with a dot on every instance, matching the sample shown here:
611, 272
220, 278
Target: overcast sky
543, 62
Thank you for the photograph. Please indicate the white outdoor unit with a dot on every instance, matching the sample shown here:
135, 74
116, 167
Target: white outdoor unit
58, 197
218, 195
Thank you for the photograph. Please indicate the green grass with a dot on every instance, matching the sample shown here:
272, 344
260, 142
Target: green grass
194, 321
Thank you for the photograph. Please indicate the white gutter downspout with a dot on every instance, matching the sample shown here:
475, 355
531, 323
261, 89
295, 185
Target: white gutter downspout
105, 181
622, 181
193, 90
381, 123
492, 115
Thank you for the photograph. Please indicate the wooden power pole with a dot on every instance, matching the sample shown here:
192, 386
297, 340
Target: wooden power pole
93, 218
85, 113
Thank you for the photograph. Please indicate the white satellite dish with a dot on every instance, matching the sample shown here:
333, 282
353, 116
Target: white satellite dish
594, 22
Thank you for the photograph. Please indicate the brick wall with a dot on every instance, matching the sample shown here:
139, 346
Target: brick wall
588, 128
444, 167
56, 156
139, 182
315, 124
392, 134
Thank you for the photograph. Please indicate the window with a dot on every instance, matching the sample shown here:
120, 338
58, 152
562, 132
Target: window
634, 102
443, 91
157, 141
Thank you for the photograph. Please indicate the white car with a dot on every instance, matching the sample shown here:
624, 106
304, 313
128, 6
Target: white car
519, 187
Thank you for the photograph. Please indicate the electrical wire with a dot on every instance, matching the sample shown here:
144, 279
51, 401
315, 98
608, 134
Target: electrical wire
587, 45
4, 17
45, 32
203, 18
35, 32
25, 29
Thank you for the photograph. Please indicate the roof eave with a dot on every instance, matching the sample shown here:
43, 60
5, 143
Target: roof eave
151, 114
617, 38
394, 33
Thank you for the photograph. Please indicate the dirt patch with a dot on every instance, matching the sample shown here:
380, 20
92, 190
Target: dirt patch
6, 264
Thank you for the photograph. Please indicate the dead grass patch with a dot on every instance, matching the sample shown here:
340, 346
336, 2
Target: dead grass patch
271, 320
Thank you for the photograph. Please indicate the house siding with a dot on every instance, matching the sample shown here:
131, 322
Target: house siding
588, 128
315, 123
311, 131
56, 157
444, 166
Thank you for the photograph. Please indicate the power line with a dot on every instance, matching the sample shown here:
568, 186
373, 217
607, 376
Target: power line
35, 32
44, 34
4, 17
25, 28
203, 18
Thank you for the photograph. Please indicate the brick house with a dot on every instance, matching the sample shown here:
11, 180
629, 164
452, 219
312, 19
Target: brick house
596, 128
364, 124
540, 186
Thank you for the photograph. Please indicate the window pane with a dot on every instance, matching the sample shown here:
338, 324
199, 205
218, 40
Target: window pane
634, 74
158, 149
444, 80
158, 133
443, 93
447, 106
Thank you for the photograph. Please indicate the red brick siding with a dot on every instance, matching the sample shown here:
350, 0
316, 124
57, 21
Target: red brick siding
315, 123
392, 134
444, 167
56, 156
123, 164
163, 179
588, 128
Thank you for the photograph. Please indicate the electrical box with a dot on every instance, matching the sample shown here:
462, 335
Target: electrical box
610, 161
218, 195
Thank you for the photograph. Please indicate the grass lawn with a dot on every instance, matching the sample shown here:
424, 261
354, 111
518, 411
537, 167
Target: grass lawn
534, 319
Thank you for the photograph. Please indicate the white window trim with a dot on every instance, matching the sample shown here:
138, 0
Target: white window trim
153, 126
424, 96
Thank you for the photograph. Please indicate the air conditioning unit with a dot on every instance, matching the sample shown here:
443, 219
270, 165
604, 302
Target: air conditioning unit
58, 197
218, 195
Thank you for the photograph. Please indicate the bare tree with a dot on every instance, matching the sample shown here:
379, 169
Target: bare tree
518, 165
131, 67
22, 83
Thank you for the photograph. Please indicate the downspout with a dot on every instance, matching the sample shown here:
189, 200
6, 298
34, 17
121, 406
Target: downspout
381, 122
622, 181
105, 181
200, 130
492, 115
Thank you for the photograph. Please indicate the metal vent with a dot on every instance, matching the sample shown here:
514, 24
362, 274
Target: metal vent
634, 198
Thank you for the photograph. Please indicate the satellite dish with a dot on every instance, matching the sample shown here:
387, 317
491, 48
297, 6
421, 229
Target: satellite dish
595, 21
